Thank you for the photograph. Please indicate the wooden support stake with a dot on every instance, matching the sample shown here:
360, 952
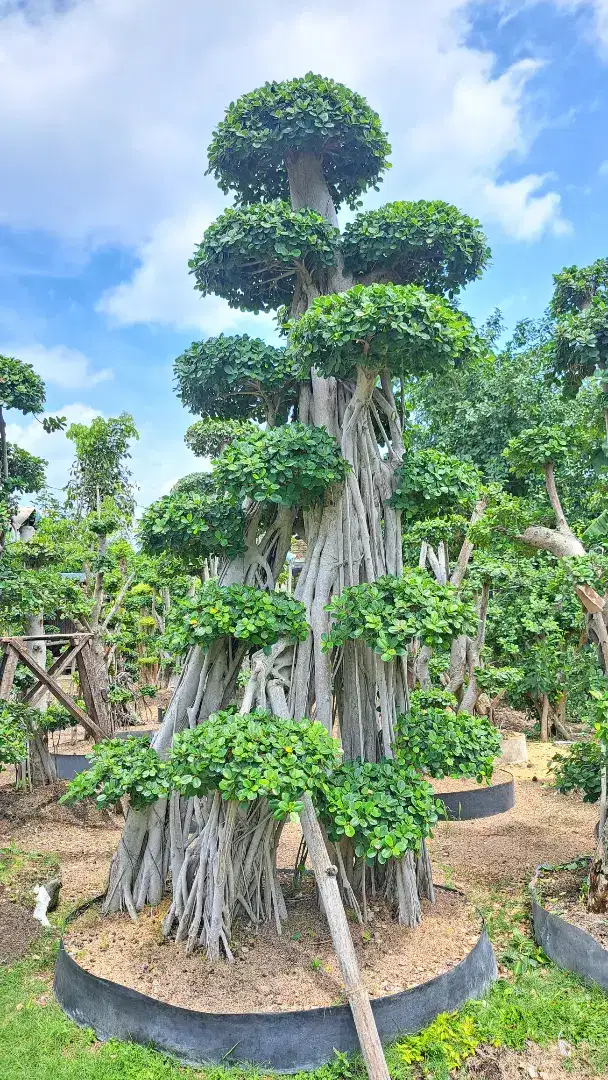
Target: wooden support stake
68, 703
325, 875
9, 667
57, 668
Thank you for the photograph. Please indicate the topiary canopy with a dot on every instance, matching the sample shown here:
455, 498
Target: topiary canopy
311, 114
432, 244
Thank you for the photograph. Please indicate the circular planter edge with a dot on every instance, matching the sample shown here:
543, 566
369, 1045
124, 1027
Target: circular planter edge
288, 1042
480, 802
567, 945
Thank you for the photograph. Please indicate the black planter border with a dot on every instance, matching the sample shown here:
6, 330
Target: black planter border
479, 802
287, 1042
567, 945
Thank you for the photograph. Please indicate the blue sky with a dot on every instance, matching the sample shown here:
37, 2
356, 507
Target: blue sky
107, 107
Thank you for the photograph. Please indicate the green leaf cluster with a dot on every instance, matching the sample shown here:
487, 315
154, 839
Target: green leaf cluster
432, 244
13, 734
443, 1046
192, 525
385, 808
435, 738
253, 757
579, 769
392, 611
538, 446
430, 483
26, 473
310, 114
253, 616
250, 255
20, 387
209, 436
243, 757
291, 465
236, 376
399, 328
580, 305
121, 768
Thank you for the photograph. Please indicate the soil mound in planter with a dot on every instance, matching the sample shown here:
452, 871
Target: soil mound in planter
271, 974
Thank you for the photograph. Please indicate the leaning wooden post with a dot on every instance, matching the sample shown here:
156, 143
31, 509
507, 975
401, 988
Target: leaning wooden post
325, 874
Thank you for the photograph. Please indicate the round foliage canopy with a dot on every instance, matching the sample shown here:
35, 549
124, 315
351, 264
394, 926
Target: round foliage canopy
25, 471
580, 303
430, 483
291, 465
575, 287
440, 741
389, 613
193, 524
310, 114
581, 343
250, 615
208, 437
20, 387
385, 807
423, 243
250, 255
254, 756
236, 376
399, 327
536, 447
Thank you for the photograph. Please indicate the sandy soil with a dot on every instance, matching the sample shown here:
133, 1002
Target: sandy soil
296, 971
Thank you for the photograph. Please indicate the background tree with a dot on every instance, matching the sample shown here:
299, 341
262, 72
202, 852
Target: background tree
100, 468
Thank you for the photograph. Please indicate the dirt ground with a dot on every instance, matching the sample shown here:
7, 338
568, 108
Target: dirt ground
270, 974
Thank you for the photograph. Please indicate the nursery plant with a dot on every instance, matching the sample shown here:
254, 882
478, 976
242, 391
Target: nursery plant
313, 445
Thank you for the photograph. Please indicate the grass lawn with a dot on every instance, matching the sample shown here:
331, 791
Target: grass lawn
533, 1004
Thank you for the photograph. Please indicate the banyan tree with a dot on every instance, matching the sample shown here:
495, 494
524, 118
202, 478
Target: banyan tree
307, 439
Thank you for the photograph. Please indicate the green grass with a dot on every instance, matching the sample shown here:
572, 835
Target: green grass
533, 1002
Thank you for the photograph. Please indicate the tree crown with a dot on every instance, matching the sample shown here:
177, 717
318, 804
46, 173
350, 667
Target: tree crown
401, 328
250, 255
432, 244
310, 114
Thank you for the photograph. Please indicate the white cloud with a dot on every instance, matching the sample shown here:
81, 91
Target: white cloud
162, 291
55, 448
114, 101
603, 169
598, 11
67, 368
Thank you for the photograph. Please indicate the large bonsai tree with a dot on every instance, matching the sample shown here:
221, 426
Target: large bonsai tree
309, 439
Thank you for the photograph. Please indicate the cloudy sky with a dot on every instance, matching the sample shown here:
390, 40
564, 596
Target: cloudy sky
106, 110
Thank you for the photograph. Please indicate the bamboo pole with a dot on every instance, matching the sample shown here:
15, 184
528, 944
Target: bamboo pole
326, 878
